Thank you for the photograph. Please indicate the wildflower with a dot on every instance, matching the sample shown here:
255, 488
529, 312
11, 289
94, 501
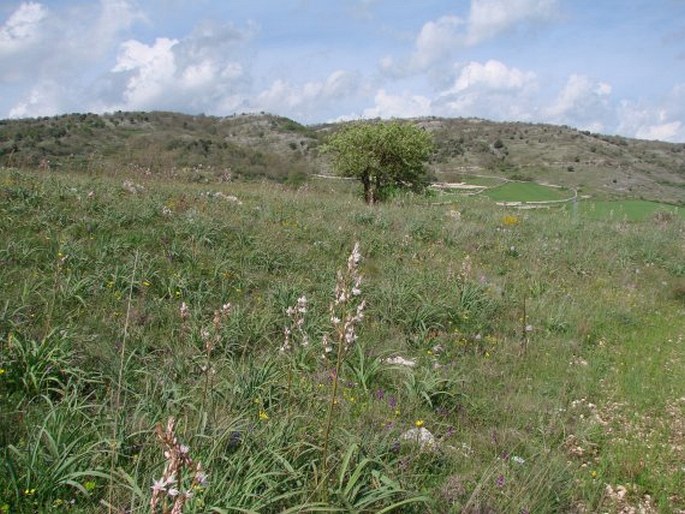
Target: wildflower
500, 481
296, 315
518, 460
146, 283
263, 416
2, 371
510, 220
201, 478
419, 423
159, 485
594, 474
29, 492
89, 485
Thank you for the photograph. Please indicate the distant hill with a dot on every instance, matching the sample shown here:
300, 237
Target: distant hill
207, 148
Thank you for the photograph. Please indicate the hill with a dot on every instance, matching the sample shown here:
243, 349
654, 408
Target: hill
205, 148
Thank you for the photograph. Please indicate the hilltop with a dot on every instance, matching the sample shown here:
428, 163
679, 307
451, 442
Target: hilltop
207, 148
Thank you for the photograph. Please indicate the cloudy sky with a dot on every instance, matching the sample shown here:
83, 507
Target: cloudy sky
610, 66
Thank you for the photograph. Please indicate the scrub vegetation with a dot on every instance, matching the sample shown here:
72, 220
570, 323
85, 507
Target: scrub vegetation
177, 345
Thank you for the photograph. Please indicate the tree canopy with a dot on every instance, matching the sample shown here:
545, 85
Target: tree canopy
383, 156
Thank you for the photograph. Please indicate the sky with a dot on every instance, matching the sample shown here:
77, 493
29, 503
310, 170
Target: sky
608, 66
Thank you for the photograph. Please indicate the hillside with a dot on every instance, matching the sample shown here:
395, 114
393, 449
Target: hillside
205, 148
485, 361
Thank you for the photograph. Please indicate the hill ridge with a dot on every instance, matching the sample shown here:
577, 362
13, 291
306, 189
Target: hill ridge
263, 145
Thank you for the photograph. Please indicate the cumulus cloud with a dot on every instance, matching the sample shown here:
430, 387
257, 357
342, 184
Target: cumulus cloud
46, 47
405, 105
583, 103
44, 98
152, 68
22, 29
489, 18
491, 89
655, 120
436, 41
492, 76
202, 72
302, 101
439, 40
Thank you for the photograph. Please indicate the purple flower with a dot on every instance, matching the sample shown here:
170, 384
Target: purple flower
380, 394
392, 402
500, 481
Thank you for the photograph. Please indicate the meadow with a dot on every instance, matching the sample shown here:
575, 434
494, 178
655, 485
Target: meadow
229, 334
527, 192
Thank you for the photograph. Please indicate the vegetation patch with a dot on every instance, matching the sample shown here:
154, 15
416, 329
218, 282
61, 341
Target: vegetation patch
630, 210
527, 192
227, 347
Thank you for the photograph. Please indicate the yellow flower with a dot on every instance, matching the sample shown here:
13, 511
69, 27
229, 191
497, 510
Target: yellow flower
594, 474
2, 371
419, 423
146, 283
263, 415
510, 220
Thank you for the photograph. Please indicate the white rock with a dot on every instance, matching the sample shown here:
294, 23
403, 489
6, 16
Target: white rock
420, 436
400, 361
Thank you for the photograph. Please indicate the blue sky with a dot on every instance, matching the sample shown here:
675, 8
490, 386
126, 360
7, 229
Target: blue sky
609, 66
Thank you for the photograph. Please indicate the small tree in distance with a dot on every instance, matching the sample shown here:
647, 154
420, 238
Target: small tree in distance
382, 155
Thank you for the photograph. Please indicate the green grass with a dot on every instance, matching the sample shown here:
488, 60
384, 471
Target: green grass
629, 210
526, 192
549, 351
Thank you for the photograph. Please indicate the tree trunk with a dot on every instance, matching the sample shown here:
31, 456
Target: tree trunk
369, 196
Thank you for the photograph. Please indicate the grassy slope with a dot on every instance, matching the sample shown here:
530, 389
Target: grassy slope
92, 287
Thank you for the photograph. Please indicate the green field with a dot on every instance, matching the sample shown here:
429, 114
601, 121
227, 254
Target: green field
548, 351
526, 192
629, 210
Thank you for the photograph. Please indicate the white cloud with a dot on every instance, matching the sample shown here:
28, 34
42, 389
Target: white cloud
436, 41
153, 69
23, 28
664, 131
582, 103
492, 76
655, 120
491, 90
302, 101
488, 18
439, 40
405, 105
44, 99
201, 72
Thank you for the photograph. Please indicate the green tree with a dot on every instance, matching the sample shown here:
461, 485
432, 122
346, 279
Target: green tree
383, 156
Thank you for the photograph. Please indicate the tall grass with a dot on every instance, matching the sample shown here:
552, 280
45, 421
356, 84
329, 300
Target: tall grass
114, 319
